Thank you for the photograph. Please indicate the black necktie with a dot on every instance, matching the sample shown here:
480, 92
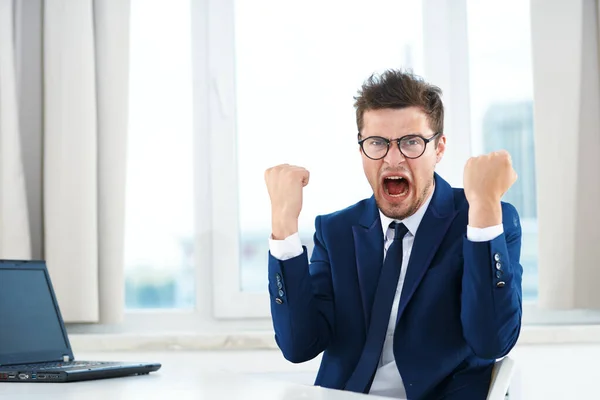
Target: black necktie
363, 374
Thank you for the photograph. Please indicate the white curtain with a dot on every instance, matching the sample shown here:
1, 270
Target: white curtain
566, 75
83, 54
15, 241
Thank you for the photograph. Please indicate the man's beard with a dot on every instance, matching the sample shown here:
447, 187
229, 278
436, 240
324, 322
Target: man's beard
413, 208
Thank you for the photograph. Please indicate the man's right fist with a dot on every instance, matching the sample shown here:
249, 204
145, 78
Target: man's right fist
285, 183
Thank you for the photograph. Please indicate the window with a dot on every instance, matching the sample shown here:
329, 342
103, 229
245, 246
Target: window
298, 66
159, 246
251, 84
501, 104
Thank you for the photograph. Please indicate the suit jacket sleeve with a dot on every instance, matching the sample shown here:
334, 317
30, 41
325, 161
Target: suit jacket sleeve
301, 297
491, 303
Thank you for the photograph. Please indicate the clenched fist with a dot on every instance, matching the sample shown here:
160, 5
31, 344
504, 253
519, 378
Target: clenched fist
486, 179
285, 183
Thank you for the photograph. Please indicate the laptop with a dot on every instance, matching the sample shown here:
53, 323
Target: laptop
34, 346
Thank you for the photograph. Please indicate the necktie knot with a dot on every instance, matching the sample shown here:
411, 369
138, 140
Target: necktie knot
399, 230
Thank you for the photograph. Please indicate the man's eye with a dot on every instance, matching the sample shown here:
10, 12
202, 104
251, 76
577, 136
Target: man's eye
412, 142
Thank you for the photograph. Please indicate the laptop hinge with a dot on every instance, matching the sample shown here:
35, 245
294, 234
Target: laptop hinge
66, 358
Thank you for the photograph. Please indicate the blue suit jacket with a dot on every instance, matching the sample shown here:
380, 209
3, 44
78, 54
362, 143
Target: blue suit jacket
460, 307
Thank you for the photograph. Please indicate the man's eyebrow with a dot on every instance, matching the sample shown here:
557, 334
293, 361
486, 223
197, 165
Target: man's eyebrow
389, 138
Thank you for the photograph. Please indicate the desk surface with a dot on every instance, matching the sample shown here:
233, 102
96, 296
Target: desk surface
177, 380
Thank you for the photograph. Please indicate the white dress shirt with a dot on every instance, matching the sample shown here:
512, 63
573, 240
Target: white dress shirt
387, 380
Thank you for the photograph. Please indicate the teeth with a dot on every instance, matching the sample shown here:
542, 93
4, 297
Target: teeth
394, 177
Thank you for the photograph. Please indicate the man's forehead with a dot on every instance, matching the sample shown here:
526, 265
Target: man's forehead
407, 120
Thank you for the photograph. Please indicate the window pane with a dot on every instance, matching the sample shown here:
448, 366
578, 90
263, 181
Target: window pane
159, 213
299, 64
502, 107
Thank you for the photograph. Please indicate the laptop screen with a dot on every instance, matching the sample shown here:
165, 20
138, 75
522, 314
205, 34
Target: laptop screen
29, 324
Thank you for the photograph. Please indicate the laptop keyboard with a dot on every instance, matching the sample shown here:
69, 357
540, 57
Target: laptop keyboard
59, 365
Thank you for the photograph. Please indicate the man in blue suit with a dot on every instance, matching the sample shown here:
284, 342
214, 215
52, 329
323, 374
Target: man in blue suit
416, 291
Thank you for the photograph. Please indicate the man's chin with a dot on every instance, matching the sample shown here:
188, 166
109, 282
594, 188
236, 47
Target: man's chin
394, 209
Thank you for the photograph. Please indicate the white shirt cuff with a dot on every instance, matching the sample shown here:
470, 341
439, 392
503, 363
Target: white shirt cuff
484, 234
287, 248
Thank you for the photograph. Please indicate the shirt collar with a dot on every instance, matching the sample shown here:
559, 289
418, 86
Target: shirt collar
412, 222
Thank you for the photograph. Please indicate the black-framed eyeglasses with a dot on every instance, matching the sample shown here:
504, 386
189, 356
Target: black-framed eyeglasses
411, 146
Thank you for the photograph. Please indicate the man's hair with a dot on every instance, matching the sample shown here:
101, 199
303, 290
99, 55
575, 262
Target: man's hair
400, 89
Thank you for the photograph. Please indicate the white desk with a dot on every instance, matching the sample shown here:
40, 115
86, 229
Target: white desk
176, 380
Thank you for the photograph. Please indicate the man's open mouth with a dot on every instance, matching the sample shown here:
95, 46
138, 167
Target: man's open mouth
395, 186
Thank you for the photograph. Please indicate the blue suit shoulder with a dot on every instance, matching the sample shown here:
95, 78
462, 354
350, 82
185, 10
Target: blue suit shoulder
344, 217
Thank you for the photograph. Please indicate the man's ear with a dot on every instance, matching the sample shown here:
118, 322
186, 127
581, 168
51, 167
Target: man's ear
440, 148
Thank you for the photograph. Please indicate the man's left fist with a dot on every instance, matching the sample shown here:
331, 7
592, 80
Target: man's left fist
488, 177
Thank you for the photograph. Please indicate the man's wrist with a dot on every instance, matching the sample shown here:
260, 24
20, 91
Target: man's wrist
485, 213
282, 229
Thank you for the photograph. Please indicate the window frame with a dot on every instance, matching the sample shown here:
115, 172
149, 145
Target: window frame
229, 300
220, 303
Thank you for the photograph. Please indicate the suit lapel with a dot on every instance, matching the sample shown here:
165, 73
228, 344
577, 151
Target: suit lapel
431, 232
368, 242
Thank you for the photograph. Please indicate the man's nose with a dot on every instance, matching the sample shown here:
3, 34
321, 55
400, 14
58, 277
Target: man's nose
394, 155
